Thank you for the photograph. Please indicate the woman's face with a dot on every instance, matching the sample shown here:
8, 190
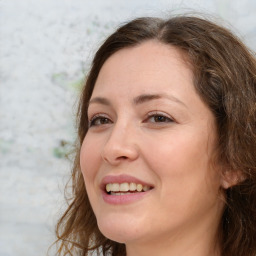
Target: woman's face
149, 130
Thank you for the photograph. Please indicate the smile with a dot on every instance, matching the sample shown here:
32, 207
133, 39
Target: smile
125, 188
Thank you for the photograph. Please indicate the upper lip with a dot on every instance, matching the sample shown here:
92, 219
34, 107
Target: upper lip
122, 179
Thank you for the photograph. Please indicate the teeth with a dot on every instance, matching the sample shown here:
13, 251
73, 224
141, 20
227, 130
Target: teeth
115, 187
119, 194
139, 187
145, 188
108, 187
125, 187
133, 186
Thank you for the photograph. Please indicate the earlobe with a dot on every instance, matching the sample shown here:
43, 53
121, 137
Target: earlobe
231, 178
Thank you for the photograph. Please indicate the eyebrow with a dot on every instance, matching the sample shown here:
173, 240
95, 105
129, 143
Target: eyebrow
100, 100
139, 99
148, 97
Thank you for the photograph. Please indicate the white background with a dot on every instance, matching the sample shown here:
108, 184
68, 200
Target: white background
45, 51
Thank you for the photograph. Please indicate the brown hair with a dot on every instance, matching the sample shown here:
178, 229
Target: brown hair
225, 78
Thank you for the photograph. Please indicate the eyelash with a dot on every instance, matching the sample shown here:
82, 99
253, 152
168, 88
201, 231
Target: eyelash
106, 120
155, 115
98, 117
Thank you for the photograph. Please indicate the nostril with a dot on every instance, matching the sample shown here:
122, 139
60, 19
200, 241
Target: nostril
123, 157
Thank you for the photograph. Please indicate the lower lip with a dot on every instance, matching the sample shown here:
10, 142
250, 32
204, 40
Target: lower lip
124, 199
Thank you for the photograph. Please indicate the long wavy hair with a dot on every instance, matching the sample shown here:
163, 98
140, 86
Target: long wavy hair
225, 79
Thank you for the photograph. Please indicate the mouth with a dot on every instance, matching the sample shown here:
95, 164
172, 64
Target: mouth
122, 189
126, 188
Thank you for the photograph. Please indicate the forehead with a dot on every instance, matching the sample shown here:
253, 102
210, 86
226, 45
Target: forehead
149, 67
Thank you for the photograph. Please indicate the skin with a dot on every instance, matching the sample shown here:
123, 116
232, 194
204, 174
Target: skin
165, 140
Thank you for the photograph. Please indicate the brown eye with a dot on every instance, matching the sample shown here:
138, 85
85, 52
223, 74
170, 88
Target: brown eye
157, 118
99, 120
160, 119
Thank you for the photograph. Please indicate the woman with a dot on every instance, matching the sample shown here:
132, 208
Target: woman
166, 160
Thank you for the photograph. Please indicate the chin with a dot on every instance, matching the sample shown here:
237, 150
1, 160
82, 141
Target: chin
119, 231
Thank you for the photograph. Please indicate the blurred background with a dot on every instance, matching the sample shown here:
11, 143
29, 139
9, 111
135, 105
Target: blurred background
45, 51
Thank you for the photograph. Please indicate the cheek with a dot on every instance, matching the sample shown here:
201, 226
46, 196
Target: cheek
89, 162
89, 159
182, 163
177, 154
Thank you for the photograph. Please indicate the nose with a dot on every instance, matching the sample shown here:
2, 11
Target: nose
121, 145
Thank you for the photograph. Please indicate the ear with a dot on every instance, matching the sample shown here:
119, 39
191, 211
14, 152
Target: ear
231, 178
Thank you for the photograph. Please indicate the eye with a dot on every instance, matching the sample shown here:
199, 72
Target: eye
158, 118
99, 120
